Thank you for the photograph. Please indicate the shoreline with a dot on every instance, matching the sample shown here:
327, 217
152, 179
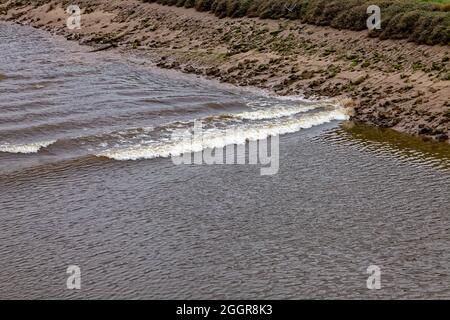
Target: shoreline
389, 83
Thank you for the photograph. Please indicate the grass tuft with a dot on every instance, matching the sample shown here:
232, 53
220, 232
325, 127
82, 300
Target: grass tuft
420, 21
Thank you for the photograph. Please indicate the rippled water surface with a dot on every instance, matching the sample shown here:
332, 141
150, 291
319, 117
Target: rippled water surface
86, 179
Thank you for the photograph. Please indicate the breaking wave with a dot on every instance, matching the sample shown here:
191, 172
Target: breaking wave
33, 147
178, 137
182, 141
274, 113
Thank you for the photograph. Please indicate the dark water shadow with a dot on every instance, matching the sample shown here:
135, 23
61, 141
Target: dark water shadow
400, 144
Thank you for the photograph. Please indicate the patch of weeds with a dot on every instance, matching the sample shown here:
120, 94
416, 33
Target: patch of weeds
397, 66
333, 71
414, 20
222, 56
354, 63
274, 60
446, 76
283, 45
418, 65
437, 66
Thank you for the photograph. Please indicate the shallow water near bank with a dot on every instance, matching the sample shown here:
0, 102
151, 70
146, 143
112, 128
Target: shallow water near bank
345, 197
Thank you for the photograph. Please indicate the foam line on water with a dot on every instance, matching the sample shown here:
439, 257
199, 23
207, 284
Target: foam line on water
27, 148
221, 137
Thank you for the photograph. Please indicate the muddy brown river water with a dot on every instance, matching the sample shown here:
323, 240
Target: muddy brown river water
86, 179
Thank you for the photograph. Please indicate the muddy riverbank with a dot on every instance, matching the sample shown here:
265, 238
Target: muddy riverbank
390, 83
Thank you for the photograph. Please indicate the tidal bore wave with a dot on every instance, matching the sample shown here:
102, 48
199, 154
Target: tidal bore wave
219, 132
170, 139
25, 148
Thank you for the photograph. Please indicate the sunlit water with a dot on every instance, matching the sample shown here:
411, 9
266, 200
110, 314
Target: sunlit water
86, 179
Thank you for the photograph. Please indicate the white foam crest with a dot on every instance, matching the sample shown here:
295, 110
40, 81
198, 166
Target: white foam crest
25, 148
219, 138
268, 94
274, 113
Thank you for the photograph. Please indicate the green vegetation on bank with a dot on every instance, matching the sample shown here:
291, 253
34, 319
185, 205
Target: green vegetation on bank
421, 21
